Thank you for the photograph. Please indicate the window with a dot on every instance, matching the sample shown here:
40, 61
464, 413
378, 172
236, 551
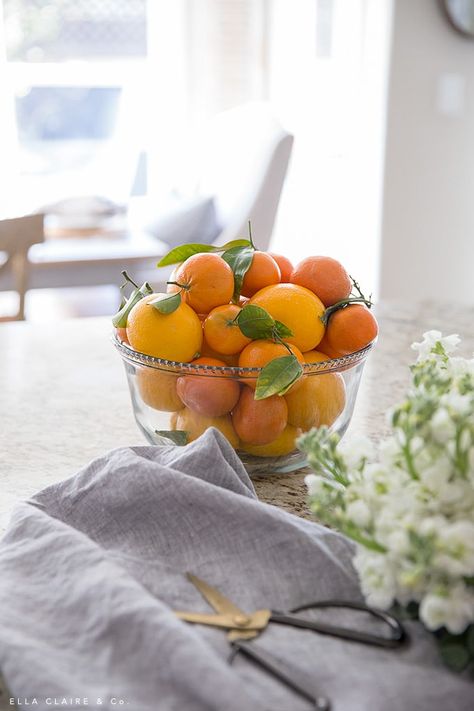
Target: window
69, 65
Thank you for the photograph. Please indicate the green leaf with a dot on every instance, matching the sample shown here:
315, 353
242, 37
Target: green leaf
282, 331
178, 437
255, 322
278, 376
120, 318
166, 303
184, 251
455, 656
239, 260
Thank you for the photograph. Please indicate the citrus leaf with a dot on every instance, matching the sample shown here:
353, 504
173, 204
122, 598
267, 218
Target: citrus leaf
120, 318
178, 437
239, 260
455, 656
255, 322
277, 377
282, 331
166, 303
184, 251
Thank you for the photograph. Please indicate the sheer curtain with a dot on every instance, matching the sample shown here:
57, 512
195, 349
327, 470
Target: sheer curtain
328, 78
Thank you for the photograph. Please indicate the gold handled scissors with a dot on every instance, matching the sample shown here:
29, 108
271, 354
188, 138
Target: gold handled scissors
242, 627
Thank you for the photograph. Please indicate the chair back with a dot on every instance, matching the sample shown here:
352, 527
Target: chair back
16, 237
244, 156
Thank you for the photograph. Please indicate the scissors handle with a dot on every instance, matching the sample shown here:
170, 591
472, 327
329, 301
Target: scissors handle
292, 679
396, 629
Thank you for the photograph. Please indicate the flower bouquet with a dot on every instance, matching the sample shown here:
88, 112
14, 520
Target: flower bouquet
409, 502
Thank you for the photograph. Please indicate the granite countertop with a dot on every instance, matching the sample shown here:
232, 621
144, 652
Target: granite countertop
64, 397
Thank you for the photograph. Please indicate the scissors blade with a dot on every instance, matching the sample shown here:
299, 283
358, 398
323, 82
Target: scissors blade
215, 599
225, 621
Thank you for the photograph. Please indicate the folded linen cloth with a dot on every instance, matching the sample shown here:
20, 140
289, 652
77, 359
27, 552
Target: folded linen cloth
91, 569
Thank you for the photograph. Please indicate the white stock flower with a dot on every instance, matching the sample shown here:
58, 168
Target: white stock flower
453, 610
314, 484
318, 485
355, 450
398, 542
455, 546
442, 426
388, 450
376, 578
359, 513
437, 476
430, 338
456, 403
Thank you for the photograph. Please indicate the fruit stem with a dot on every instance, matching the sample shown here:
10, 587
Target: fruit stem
181, 286
356, 286
128, 280
250, 235
342, 304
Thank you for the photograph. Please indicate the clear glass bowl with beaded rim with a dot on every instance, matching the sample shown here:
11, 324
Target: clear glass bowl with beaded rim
328, 395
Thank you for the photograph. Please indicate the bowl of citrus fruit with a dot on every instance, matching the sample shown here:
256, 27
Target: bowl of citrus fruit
245, 342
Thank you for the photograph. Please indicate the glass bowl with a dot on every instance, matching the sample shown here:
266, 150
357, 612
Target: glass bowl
326, 394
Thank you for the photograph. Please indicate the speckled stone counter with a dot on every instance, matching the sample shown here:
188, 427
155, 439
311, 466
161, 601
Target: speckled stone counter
64, 398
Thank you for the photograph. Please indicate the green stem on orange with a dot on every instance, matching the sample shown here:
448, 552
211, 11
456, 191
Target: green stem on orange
186, 287
250, 234
342, 304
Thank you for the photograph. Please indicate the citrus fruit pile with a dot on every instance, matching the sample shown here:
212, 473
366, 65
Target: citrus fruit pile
233, 308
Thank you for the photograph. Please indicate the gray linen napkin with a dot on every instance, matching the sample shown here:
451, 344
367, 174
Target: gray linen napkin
91, 569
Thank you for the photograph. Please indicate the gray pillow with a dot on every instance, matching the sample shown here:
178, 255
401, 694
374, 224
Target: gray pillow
182, 220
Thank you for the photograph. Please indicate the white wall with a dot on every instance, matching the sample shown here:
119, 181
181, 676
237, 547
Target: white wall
428, 216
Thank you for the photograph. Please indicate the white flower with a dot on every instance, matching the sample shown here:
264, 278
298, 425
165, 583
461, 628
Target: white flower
442, 426
457, 404
415, 516
355, 450
376, 577
314, 484
397, 542
359, 513
430, 338
436, 476
388, 450
431, 525
455, 545
318, 485
453, 610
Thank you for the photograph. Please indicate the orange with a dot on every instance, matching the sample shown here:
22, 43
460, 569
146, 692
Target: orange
205, 280
282, 445
211, 396
175, 336
158, 389
208, 352
296, 307
259, 421
325, 277
260, 352
121, 334
285, 265
319, 400
195, 425
221, 332
262, 272
350, 329
324, 347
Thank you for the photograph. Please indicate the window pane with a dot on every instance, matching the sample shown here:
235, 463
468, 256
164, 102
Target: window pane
56, 30
58, 113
